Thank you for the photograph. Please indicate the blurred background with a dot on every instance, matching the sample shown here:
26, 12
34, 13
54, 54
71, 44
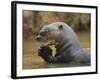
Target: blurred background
33, 21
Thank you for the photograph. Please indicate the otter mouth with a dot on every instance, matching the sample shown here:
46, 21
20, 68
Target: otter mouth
45, 41
48, 43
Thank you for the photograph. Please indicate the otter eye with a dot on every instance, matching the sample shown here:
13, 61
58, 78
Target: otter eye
43, 33
60, 27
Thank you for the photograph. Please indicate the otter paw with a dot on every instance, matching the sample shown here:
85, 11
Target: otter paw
44, 51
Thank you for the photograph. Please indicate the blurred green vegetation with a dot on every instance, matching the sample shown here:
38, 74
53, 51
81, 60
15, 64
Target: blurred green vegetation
78, 21
37, 19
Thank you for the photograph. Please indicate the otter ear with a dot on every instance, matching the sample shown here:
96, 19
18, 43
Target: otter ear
60, 27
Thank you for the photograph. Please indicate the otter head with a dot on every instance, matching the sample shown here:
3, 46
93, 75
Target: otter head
49, 34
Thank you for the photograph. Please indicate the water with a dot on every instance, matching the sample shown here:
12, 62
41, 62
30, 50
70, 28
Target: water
31, 60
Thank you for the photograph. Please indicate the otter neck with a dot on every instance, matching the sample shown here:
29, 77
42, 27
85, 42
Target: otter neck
60, 42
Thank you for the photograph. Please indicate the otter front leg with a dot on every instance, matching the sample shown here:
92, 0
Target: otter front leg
46, 54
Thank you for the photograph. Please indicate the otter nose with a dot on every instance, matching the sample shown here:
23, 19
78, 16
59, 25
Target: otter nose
38, 38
